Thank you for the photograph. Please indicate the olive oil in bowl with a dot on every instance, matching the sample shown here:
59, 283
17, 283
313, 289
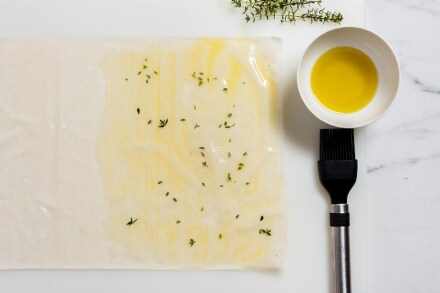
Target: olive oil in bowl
344, 80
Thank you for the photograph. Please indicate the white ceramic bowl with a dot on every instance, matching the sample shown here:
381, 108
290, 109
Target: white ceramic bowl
383, 58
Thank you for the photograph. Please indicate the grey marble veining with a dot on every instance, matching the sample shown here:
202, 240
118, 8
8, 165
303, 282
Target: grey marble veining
404, 154
426, 88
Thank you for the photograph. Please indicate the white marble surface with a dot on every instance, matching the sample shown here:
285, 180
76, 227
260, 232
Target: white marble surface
404, 154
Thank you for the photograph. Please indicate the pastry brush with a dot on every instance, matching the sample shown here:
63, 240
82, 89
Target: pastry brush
337, 168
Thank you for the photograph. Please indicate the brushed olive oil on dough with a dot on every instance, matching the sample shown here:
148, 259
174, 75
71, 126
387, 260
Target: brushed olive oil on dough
189, 149
140, 154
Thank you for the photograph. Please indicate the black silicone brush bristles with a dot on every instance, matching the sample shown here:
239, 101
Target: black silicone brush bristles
337, 165
336, 144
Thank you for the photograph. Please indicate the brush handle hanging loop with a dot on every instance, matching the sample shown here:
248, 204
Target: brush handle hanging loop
340, 248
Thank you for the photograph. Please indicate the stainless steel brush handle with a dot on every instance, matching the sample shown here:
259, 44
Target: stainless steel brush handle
340, 248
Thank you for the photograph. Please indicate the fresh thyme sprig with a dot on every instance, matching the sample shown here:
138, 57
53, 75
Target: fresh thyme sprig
321, 15
286, 11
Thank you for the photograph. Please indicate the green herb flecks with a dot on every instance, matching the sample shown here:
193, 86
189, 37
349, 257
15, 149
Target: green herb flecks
229, 115
178, 222
240, 166
229, 154
229, 177
200, 78
245, 154
168, 193
159, 182
138, 111
163, 123
225, 89
149, 121
247, 183
203, 184
261, 218
265, 231
144, 70
196, 126
237, 216
286, 11
131, 222
204, 164
201, 209
227, 125
191, 242
183, 119
174, 199
220, 236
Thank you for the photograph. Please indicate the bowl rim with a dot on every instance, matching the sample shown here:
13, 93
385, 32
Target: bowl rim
347, 123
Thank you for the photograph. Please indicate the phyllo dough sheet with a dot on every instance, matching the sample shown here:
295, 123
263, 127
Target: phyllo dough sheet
156, 154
